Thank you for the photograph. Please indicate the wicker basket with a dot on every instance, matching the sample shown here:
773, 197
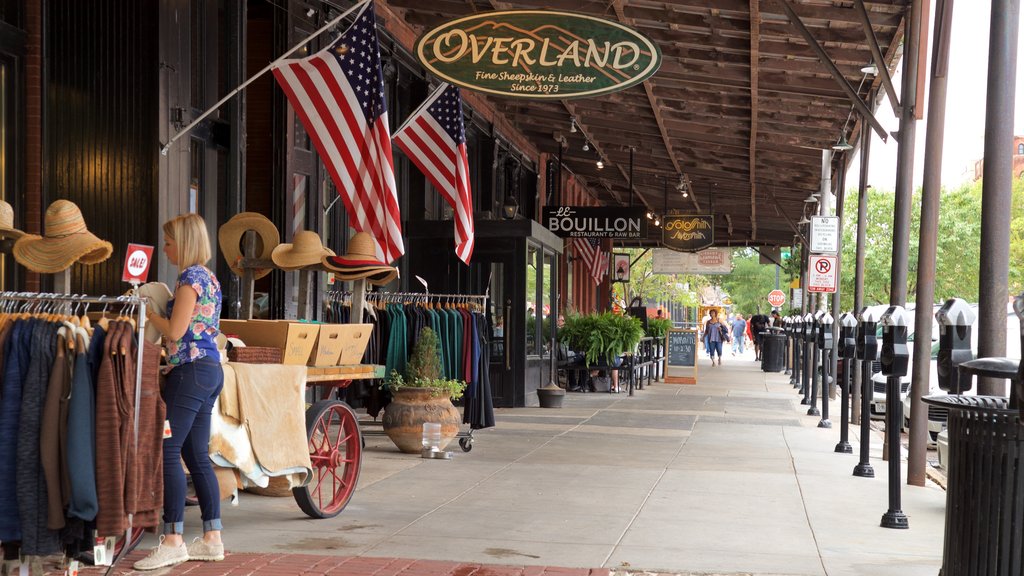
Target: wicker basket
255, 355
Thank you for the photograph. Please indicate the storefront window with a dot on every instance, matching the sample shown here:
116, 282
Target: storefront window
533, 297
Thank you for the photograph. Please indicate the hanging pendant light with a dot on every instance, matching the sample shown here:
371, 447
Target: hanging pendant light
842, 145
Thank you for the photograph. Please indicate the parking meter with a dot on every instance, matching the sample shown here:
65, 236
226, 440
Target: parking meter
825, 341
867, 340
797, 322
894, 356
847, 344
810, 328
955, 319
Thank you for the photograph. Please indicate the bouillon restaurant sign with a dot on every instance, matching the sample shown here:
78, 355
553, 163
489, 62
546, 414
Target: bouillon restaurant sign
538, 54
595, 222
688, 233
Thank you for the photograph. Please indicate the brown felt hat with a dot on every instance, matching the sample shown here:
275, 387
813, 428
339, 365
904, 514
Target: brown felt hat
7, 229
66, 240
305, 250
230, 239
361, 262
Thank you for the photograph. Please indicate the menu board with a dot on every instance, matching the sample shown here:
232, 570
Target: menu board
681, 356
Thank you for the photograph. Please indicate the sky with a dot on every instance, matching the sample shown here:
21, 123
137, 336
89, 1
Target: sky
964, 140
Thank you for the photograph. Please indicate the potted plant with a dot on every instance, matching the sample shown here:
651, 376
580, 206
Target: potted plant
421, 396
603, 338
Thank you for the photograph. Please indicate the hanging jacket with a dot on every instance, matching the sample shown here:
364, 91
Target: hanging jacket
53, 435
16, 359
81, 454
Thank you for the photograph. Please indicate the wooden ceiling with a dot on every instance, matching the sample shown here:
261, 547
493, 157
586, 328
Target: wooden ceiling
741, 105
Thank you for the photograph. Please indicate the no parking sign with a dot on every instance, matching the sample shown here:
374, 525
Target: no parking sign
822, 273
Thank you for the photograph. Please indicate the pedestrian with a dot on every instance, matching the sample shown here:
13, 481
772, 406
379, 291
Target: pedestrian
715, 333
192, 383
739, 329
703, 333
758, 324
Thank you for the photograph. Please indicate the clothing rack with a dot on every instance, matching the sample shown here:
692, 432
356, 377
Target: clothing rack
43, 302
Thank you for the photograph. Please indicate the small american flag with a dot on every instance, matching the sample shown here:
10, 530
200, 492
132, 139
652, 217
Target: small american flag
339, 95
596, 260
434, 139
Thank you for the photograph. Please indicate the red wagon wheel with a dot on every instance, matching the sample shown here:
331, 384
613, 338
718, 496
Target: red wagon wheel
336, 451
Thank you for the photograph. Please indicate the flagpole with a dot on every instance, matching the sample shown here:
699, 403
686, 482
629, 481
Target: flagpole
187, 129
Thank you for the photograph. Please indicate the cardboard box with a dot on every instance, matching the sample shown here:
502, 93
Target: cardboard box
328, 345
295, 339
354, 338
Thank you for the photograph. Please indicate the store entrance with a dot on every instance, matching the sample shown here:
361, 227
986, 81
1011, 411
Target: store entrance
495, 262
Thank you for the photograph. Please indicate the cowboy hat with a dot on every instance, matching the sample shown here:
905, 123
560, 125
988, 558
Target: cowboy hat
230, 237
66, 240
361, 262
7, 229
305, 250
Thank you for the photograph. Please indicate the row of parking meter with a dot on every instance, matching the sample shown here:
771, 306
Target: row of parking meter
895, 360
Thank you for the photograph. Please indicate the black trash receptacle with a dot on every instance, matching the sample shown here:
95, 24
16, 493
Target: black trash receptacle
985, 487
773, 351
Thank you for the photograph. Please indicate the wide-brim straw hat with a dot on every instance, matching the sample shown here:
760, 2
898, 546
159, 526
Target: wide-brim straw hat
305, 250
66, 240
7, 229
230, 239
361, 262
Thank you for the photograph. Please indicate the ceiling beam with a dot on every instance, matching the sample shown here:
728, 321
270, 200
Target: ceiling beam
876, 55
755, 38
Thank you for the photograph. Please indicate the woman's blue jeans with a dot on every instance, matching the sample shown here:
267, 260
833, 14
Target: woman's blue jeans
189, 392
714, 346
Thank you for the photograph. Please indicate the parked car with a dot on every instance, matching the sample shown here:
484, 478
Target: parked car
938, 416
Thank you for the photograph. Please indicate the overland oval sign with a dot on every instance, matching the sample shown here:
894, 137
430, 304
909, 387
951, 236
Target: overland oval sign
538, 54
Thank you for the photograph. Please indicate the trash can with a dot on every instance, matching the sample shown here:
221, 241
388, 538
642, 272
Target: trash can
985, 487
773, 351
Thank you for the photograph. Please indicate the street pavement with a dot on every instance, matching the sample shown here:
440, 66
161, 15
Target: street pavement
725, 477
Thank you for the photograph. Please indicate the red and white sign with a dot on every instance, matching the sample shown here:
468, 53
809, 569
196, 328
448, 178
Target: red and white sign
136, 263
776, 298
821, 273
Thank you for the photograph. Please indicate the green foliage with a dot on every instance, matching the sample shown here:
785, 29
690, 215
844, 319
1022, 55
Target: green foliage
424, 370
750, 282
602, 336
650, 287
658, 327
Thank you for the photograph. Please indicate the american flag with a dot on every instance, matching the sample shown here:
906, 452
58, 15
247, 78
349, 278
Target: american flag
434, 139
339, 95
596, 260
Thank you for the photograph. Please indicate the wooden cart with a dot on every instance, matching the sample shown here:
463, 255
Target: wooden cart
335, 442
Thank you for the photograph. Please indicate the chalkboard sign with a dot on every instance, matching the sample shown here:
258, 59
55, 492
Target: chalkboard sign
681, 358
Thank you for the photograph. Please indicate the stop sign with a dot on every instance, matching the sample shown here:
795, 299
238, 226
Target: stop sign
776, 298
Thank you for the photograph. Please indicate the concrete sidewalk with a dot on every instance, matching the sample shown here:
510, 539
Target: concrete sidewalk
725, 477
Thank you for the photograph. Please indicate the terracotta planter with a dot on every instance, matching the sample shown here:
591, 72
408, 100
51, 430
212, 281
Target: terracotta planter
409, 409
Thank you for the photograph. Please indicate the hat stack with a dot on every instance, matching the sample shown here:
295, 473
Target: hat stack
230, 237
306, 250
361, 262
66, 240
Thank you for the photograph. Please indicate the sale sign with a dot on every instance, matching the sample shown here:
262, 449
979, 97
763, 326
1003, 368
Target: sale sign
136, 263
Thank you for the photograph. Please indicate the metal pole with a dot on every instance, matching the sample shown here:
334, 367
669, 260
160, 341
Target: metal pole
905, 160
815, 373
858, 281
894, 517
993, 288
630, 176
836, 312
826, 380
927, 245
795, 349
864, 468
844, 447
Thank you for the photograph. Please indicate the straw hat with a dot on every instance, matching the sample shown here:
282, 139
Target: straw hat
361, 262
306, 250
7, 229
66, 240
230, 239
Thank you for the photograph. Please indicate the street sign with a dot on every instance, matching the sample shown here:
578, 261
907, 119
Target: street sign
825, 234
136, 263
776, 298
821, 273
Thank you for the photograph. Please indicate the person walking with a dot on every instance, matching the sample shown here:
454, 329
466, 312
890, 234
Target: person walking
739, 333
193, 382
715, 333
758, 324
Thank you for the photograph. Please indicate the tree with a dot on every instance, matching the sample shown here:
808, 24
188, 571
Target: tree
650, 287
750, 282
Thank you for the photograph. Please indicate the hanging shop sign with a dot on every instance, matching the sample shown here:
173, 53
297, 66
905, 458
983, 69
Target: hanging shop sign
710, 261
538, 54
688, 233
590, 222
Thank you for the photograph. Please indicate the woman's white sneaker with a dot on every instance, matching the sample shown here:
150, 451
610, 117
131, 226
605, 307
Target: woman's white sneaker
200, 549
163, 556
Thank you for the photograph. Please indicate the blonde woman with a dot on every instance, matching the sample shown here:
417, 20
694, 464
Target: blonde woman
194, 380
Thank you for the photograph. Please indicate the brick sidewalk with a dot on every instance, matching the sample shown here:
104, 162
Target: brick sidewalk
299, 564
